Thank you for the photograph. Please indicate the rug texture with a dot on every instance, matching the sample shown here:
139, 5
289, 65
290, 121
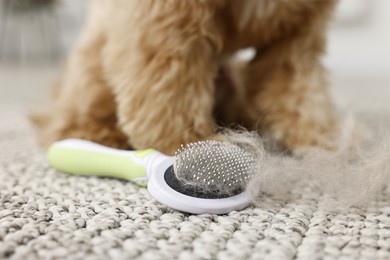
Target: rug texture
45, 214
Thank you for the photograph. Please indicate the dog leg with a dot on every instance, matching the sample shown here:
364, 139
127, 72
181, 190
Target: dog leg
83, 105
162, 67
289, 94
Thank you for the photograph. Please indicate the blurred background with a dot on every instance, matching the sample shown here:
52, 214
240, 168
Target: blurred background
35, 36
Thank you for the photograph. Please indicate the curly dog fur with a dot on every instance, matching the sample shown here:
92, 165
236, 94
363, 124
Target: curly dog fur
153, 73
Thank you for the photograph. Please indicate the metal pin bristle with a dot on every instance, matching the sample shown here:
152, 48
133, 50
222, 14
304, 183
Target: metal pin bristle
221, 168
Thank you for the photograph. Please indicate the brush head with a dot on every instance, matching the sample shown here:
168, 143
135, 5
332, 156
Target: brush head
212, 169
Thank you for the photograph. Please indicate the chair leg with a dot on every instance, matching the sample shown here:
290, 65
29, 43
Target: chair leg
3, 28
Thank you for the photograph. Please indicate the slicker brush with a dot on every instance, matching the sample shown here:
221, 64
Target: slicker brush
203, 177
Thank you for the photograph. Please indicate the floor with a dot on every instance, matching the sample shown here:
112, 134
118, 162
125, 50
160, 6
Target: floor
45, 214
30, 85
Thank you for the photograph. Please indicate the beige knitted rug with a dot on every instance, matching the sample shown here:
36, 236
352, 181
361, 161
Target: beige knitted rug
48, 215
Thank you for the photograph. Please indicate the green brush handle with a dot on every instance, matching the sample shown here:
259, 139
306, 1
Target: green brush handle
81, 157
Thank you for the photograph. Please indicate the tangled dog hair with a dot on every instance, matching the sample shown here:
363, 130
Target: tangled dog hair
355, 173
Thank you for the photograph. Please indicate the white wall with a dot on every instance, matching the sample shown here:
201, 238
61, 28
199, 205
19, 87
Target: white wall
41, 35
360, 46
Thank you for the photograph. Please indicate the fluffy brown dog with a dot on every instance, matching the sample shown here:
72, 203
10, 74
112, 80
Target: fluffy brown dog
147, 73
